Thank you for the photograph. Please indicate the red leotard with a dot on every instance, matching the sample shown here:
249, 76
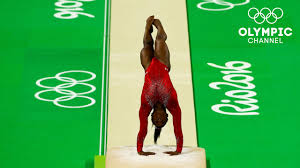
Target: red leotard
158, 88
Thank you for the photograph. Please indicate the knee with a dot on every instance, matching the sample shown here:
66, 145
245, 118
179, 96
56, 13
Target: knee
148, 41
161, 37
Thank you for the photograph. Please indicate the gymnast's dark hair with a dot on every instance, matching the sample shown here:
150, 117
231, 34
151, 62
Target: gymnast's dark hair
159, 119
156, 134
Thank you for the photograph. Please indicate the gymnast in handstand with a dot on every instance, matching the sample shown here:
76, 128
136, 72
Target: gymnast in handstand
158, 92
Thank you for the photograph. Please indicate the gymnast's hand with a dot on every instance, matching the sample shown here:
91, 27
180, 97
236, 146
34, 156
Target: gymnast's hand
146, 153
172, 153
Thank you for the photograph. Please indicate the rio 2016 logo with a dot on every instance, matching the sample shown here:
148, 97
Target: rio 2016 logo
223, 4
238, 76
70, 9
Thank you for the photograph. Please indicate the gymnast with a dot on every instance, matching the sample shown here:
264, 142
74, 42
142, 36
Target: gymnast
158, 92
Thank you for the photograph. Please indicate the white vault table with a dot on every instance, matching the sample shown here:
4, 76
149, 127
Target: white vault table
127, 157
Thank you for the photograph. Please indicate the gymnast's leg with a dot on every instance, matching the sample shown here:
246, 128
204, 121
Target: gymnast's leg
147, 52
161, 48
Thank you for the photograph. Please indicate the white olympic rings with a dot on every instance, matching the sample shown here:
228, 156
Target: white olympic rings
228, 5
70, 82
259, 13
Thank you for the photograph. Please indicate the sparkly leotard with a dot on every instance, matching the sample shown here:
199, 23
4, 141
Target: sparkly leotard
158, 88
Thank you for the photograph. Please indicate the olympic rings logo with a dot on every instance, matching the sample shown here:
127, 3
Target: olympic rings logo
62, 89
228, 5
265, 16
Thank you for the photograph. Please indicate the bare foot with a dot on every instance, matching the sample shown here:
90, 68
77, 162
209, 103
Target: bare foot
172, 153
161, 34
157, 23
146, 153
149, 23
